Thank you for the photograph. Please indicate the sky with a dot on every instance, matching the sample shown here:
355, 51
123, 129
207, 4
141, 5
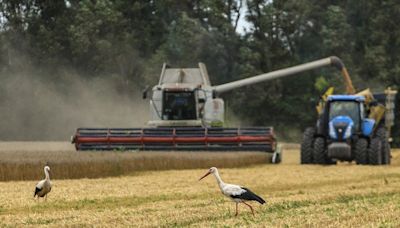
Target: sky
243, 25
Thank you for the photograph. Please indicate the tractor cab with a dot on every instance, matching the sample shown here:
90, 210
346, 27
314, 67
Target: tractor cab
343, 117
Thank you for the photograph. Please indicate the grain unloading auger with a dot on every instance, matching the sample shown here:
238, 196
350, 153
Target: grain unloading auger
186, 114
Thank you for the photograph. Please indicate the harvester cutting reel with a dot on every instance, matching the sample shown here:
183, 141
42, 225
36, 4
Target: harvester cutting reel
183, 139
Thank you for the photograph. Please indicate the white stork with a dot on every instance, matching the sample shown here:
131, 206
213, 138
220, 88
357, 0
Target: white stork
44, 186
236, 193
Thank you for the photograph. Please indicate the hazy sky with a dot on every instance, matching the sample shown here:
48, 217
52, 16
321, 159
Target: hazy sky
243, 24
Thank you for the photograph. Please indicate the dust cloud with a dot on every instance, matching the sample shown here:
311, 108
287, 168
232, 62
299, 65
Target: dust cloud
33, 108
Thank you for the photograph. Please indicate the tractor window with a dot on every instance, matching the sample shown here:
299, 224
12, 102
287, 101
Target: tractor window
345, 108
179, 106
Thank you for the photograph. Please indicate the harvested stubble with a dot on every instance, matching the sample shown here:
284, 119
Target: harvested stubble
345, 195
19, 161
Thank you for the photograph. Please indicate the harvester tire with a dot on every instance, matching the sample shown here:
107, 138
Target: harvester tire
375, 152
276, 158
307, 146
381, 134
361, 151
319, 151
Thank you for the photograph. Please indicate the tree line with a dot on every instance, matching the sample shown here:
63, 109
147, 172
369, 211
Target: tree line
130, 40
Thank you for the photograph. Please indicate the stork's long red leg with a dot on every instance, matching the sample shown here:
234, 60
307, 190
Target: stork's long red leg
251, 208
237, 212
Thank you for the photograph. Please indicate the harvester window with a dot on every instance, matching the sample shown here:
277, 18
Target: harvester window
346, 108
179, 106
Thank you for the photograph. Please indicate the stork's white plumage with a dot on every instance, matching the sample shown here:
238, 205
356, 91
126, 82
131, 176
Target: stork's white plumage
44, 186
236, 193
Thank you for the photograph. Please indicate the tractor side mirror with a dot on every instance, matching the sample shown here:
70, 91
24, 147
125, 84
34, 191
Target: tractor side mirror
367, 126
144, 92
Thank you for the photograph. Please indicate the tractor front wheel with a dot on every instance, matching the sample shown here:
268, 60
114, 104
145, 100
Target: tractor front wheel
360, 151
306, 151
319, 151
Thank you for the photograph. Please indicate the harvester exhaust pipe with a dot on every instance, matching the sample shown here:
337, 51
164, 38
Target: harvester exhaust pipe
330, 61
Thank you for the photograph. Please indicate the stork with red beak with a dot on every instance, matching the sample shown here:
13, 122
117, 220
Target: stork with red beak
236, 193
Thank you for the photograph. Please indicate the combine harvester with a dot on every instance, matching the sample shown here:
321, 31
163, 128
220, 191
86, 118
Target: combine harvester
186, 114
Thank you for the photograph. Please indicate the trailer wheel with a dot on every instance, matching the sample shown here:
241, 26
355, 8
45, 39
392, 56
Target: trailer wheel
360, 151
375, 152
381, 134
319, 151
306, 151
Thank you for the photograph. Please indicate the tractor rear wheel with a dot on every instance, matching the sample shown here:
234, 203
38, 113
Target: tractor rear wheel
386, 155
375, 152
361, 151
319, 151
307, 146
381, 134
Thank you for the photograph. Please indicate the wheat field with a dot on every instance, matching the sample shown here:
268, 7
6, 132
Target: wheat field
345, 195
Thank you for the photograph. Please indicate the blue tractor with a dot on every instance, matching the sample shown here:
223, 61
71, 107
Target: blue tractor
349, 128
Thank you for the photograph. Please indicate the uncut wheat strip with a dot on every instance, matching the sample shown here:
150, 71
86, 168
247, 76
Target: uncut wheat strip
24, 165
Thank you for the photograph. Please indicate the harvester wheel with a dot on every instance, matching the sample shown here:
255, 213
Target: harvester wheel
360, 151
276, 158
319, 151
375, 152
307, 146
381, 134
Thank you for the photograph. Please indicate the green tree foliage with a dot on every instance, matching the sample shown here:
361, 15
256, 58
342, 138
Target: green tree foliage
129, 41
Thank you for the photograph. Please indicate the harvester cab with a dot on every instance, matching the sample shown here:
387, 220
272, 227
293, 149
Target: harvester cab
184, 98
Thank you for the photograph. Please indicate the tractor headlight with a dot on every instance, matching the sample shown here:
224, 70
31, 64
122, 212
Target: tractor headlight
347, 133
332, 132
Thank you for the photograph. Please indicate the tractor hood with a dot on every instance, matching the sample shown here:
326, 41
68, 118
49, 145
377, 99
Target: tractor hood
340, 128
